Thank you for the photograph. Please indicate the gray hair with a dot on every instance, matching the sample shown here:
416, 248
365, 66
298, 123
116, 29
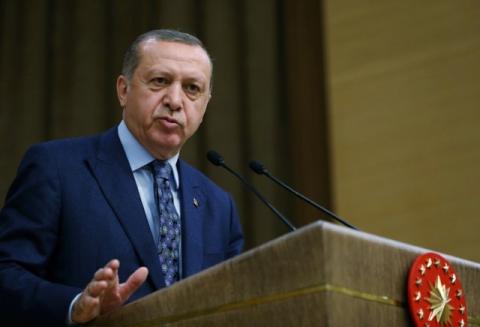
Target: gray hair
132, 57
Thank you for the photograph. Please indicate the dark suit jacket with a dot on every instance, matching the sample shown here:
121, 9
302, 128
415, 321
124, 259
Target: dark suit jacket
74, 206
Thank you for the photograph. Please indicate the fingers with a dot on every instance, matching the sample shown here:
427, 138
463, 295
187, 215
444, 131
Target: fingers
95, 288
108, 273
88, 305
133, 283
115, 296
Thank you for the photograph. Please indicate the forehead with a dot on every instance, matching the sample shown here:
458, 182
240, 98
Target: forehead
159, 54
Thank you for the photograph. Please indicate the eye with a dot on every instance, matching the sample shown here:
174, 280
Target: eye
192, 89
159, 81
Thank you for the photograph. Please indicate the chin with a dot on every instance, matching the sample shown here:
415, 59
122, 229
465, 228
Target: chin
167, 147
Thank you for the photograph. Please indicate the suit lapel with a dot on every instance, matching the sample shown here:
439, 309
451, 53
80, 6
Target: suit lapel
193, 207
116, 180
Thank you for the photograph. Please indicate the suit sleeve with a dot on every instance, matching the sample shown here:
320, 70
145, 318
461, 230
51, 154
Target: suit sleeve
29, 224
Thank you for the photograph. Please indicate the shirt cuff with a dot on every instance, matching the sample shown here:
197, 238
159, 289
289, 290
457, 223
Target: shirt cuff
70, 308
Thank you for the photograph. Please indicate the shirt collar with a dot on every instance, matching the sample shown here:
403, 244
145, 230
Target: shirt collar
137, 156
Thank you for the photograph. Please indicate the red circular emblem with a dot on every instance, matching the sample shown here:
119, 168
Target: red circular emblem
435, 294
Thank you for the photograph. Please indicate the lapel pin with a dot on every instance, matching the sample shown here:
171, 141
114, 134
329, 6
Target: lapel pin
195, 202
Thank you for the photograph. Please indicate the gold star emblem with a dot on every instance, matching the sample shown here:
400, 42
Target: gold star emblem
439, 299
418, 296
429, 263
453, 278
446, 267
420, 313
422, 269
459, 294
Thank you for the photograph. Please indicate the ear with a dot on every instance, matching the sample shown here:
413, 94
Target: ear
122, 90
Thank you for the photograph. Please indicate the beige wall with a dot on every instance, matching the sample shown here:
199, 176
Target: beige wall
404, 99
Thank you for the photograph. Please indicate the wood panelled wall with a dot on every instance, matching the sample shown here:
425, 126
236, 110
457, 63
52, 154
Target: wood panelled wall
404, 113
59, 61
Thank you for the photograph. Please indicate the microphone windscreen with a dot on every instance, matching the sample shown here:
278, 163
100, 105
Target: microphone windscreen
257, 167
215, 158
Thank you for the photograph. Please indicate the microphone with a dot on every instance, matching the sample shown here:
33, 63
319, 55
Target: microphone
217, 160
260, 169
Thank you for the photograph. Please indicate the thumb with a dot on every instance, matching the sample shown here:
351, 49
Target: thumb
133, 283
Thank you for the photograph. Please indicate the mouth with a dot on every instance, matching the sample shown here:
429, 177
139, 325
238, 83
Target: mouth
169, 121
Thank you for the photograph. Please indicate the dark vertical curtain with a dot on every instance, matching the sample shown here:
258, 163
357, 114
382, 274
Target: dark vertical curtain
59, 61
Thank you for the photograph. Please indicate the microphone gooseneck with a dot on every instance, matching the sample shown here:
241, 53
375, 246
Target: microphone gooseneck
216, 159
260, 169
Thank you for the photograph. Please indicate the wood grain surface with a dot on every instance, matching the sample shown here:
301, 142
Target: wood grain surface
320, 275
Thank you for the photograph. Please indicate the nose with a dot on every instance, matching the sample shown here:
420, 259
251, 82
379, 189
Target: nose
173, 97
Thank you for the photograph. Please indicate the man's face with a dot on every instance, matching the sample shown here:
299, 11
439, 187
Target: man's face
166, 98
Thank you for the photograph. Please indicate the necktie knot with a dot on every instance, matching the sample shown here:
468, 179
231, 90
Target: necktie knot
162, 169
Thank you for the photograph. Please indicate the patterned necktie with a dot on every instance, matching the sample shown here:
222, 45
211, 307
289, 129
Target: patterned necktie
169, 221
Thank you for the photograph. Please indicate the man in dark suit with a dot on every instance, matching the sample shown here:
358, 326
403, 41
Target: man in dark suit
86, 224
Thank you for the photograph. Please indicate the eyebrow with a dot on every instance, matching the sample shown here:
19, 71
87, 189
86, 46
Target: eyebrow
195, 77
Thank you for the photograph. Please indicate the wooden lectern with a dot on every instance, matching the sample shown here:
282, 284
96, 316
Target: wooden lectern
319, 275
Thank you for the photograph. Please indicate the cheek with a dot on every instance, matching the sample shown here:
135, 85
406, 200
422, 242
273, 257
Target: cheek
142, 110
196, 118
134, 114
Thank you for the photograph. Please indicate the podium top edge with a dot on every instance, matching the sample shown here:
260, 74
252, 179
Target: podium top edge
327, 227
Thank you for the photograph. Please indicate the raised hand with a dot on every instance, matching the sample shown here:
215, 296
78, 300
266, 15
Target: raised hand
104, 293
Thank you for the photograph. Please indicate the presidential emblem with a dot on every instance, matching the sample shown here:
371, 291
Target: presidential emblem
435, 294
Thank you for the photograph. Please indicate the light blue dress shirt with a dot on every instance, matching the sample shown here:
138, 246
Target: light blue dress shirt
139, 159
